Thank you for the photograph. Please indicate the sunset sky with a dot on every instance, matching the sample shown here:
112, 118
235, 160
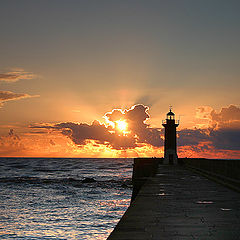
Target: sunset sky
96, 78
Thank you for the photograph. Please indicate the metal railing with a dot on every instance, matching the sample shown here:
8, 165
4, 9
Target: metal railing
165, 121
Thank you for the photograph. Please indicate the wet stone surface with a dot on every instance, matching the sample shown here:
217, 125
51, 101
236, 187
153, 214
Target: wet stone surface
180, 204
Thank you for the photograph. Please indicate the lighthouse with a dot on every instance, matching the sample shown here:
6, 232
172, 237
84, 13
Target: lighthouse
170, 144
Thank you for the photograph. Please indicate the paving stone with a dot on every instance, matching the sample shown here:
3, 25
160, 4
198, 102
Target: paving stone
177, 204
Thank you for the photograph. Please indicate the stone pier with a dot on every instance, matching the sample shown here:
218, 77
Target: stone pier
179, 204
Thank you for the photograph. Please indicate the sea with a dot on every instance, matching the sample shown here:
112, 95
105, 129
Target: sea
63, 198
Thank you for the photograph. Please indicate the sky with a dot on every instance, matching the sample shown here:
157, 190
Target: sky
96, 78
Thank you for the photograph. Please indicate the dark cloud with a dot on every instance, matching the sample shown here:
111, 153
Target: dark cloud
9, 96
80, 133
136, 118
16, 75
190, 137
226, 139
139, 132
224, 132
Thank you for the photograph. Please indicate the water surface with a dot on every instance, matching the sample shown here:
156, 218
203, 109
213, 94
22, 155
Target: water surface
62, 198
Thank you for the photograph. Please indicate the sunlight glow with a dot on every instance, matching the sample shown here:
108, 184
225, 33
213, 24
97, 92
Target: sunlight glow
121, 125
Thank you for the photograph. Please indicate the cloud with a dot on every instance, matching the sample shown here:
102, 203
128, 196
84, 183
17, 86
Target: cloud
36, 145
191, 137
136, 118
16, 75
138, 132
9, 96
228, 117
10, 144
226, 114
226, 139
12, 135
226, 128
223, 131
204, 112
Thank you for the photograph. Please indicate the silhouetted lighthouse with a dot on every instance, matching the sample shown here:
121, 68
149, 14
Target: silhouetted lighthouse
170, 144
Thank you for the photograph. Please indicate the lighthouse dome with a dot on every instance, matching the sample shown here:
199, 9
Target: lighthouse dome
170, 113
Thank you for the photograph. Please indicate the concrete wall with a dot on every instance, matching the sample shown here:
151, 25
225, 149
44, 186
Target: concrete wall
168, 206
142, 169
226, 170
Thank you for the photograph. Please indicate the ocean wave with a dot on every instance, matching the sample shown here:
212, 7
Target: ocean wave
85, 182
51, 170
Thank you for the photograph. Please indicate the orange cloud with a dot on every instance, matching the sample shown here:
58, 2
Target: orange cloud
37, 145
221, 133
10, 96
107, 134
204, 112
140, 140
16, 75
228, 117
207, 150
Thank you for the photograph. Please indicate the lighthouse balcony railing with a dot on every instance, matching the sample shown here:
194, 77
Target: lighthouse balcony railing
165, 121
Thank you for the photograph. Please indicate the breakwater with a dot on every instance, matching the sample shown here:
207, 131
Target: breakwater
226, 172
173, 202
143, 168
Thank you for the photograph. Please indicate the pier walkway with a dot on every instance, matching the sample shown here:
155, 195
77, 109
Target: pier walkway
178, 204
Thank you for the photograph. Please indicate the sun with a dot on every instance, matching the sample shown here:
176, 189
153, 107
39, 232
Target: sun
121, 125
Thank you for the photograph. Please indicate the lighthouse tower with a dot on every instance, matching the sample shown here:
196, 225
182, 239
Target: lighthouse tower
170, 144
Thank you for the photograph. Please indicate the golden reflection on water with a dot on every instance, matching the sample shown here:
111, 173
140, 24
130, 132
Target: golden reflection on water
46, 199
63, 223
